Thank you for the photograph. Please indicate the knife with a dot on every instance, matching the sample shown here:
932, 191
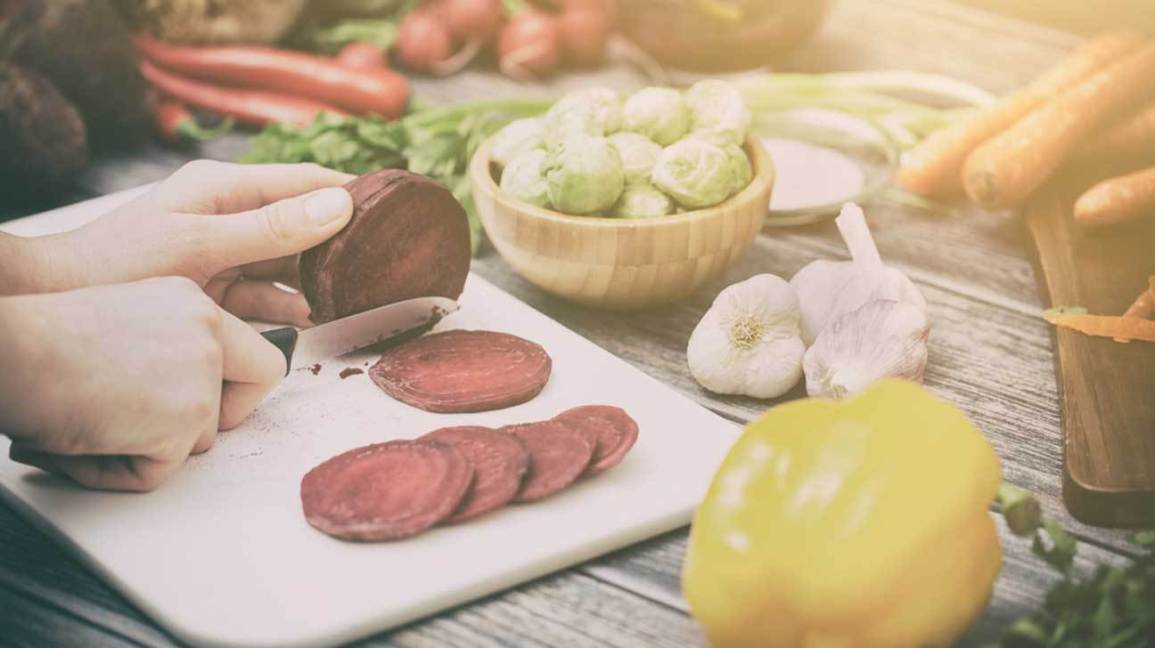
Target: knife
348, 334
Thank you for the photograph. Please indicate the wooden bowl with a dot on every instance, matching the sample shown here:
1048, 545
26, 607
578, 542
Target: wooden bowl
621, 263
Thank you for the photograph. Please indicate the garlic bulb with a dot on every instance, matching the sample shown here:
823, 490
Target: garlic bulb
828, 289
748, 342
882, 339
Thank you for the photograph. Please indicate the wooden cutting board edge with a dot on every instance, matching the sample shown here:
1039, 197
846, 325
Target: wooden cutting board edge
1088, 491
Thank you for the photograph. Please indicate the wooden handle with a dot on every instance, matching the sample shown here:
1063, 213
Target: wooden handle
284, 339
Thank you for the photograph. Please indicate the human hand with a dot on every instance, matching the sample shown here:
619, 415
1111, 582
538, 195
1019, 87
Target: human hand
234, 229
114, 386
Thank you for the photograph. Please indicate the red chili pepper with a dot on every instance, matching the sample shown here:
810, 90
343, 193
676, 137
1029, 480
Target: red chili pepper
246, 106
176, 123
381, 91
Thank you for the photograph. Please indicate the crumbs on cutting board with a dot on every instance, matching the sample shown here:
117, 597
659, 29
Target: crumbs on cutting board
350, 371
316, 369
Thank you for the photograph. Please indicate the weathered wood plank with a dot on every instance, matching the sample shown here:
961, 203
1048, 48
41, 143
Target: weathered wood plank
30, 624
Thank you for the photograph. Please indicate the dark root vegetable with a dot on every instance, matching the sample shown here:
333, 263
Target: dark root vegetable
409, 237
471, 19
45, 143
584, 34
362, 55
84, 49
529, 45
423, 41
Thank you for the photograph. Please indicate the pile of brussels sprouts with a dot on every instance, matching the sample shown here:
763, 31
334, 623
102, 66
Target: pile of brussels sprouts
659, 152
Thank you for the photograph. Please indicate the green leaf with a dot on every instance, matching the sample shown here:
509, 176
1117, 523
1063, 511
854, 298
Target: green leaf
330, 39
1059, 548
1028, 629
1104, 620
1020, 509
1144, 538
1066, 310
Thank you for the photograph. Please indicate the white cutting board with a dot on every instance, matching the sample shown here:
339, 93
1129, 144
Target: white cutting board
221, 554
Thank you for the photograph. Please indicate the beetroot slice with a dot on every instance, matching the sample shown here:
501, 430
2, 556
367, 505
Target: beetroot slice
463, 371
408, 237
385, 491
557, 457
609, 429
499, 461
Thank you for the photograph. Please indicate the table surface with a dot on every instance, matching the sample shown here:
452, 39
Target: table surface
990, 353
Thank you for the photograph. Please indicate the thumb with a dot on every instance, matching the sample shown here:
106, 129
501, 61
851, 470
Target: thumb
279, 229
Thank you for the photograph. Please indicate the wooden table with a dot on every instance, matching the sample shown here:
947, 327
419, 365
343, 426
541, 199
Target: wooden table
990, 354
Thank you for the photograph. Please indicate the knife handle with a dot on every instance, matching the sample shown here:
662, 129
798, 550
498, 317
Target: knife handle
285, 339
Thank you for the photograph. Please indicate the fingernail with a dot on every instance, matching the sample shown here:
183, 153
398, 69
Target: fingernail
328, 205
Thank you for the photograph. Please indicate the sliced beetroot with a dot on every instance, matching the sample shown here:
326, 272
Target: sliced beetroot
408, 237
608, 429
558, 455
385, 491
463, 371
499, 459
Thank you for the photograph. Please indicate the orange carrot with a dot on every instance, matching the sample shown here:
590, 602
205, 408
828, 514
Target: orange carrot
935, 165
1144, 304
1133, 138
1008, 168
1112, 326
1117, 200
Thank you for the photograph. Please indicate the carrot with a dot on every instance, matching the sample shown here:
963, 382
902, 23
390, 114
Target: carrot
246, 106
1112, 326
1118, 200
1009, 167
1130, 139
1144, 304
380, 91
935, 165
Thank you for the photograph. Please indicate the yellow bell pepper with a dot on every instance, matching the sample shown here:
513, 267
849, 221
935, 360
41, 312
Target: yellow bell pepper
856, 523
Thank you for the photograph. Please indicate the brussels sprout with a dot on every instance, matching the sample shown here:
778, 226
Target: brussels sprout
594, 111
517, 137
718, 112
642, 201
740, 167
658, 113
524, 178
694, 172
584, 175
638, 155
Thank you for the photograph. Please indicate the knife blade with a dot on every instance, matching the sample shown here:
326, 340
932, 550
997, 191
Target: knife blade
341, 336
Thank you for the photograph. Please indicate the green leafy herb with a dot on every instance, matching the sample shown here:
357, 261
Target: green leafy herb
1114, 608
1020, 509
329, 39
435, 141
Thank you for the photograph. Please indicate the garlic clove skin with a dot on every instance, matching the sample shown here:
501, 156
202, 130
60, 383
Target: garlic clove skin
829, 289
818, 285
881, 339
748, 342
